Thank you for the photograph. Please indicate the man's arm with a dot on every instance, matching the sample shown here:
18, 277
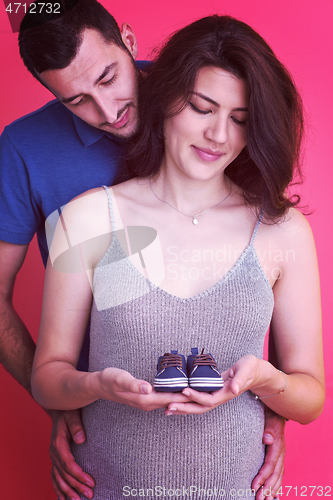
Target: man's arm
17, 350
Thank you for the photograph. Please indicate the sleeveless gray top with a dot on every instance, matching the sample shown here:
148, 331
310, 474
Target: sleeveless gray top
130, 452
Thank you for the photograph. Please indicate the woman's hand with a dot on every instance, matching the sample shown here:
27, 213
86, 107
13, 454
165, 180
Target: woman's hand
242, 376
120, 386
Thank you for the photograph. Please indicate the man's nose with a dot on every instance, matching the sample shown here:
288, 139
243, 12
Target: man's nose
107, 109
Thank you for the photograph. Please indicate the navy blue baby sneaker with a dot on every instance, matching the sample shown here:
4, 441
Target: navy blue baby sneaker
171, 373
203, 374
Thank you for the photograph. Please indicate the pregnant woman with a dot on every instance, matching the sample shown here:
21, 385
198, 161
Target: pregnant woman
202, 247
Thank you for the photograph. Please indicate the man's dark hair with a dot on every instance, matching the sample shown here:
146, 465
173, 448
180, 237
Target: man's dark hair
52, 40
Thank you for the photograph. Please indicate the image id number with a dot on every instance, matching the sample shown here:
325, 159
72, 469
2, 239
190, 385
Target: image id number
49, 8
305, 491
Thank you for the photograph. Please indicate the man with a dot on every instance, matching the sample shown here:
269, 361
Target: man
50, 156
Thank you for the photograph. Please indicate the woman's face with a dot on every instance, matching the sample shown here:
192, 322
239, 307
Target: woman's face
204, 138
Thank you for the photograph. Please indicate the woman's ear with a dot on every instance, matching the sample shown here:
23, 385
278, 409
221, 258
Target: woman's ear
129, 39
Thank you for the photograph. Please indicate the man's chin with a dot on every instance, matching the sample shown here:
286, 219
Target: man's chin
124, 134
122, 137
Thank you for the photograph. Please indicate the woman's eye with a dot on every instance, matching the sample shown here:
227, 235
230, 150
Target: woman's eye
239, 122
197, 110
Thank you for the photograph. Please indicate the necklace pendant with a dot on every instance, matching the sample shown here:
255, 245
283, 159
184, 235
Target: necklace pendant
195, 221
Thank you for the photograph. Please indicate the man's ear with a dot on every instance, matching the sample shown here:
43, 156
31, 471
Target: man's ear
129, 39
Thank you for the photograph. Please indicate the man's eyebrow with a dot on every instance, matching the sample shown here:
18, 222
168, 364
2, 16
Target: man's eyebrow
211, 101
107, 69
105, 72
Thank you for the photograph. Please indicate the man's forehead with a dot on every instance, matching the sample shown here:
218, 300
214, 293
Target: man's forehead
93, 61
91, 39
93, 48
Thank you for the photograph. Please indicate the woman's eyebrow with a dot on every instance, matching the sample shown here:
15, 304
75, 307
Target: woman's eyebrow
211, 101
208, 99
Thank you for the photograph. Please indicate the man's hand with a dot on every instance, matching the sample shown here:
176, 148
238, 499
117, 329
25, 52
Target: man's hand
269, 478
68, 479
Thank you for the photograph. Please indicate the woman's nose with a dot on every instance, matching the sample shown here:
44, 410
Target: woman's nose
218, 131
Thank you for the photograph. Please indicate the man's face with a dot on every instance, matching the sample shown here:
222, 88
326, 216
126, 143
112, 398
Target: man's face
100, 84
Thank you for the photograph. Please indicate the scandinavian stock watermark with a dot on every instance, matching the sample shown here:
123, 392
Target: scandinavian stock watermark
192, 491
197, 492
140, 247
208, 264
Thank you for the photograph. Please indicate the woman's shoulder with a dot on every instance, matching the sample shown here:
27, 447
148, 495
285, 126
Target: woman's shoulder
83, 226
86, 200
294, 224
293, 231
285, 246
86, 216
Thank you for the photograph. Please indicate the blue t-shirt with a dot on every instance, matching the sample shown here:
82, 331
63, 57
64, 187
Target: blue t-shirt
47, 158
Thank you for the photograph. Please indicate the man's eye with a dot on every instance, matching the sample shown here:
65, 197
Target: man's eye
197, 110
112, 80
81, 101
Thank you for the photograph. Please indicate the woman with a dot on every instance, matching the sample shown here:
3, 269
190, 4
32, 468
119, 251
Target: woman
202, 247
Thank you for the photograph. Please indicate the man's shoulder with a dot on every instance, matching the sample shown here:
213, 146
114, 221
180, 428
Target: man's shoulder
46, 109
143, 65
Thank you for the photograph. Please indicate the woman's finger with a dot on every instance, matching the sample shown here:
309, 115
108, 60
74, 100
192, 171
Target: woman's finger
186, 409
122, 381
243, 373
202, 398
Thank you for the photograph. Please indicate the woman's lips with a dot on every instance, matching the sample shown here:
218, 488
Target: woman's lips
207, 154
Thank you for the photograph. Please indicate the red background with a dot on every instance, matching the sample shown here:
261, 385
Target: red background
300, 32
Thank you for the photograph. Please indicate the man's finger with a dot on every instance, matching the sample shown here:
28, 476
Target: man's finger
271, 473
274, 426
55, 485
69, 485
70, 469
75, 426
61, 454
61, 485
278, 484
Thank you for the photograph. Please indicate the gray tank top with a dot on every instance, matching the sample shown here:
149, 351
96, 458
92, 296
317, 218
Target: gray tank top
130, 452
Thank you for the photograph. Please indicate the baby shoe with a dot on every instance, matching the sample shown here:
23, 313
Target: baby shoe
203, 374
171, 373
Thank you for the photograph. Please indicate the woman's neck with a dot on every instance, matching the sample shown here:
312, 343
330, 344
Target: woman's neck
190, 196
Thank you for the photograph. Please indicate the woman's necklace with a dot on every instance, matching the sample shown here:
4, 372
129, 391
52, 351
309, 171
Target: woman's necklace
194, 217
